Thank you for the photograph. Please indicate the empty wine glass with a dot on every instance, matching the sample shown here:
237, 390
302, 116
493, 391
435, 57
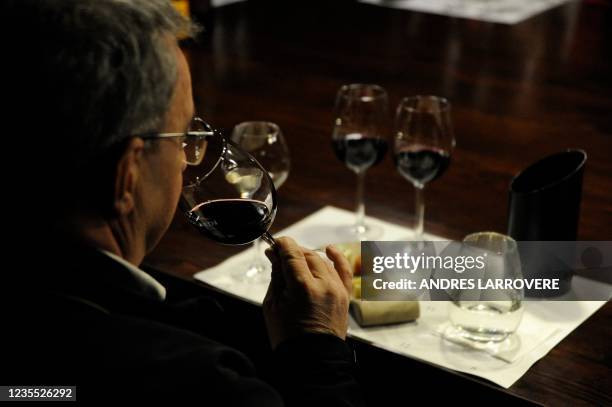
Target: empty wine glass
424, 142
227, 194
265, 142
359, 140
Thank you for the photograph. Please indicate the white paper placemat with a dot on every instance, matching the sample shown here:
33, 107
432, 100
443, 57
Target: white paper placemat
544, 324
492, 11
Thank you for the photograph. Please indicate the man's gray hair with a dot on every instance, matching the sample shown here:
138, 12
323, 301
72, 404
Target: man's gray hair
103, 69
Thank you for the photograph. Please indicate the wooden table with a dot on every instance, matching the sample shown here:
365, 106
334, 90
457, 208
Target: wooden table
518, 93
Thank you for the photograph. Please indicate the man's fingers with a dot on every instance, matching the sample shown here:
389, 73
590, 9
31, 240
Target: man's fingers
293, 263
273, 256
342, 266
271, 293
318, 266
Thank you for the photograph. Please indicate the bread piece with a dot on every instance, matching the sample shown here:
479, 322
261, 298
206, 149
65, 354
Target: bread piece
370, 313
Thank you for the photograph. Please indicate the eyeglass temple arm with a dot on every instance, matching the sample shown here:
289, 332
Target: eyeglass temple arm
189, 133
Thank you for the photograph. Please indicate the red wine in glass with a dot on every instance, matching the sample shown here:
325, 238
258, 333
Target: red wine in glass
360, 153
421, 164
231, 221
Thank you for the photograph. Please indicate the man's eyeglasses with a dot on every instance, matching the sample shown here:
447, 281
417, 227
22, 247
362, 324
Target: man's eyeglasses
194, 140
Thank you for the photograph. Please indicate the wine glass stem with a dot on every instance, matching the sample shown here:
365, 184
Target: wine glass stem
360, 221
256, 262
419, 211
267, 237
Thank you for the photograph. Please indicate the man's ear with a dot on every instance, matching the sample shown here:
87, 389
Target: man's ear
127, 175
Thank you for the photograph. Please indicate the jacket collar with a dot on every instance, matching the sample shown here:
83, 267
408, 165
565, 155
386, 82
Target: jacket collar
148, 285
78, 271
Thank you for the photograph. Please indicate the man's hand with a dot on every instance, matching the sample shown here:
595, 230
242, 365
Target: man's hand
307, 294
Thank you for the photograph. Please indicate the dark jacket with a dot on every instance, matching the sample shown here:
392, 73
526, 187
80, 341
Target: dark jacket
82, 319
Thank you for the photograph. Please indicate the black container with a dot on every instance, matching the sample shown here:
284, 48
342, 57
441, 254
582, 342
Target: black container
545, 206
545, 198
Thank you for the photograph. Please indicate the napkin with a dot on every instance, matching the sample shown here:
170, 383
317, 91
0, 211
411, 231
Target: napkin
498, 11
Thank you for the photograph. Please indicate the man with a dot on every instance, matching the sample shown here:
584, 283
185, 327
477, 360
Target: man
94, 196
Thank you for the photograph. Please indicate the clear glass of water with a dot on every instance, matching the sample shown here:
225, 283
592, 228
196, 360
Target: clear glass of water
485, 317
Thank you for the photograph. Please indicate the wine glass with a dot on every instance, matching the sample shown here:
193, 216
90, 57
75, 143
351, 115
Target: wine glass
424, 142
361, 114
265, 142
227, 195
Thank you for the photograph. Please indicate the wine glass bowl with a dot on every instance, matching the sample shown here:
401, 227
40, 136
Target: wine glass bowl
266, 143
230, 199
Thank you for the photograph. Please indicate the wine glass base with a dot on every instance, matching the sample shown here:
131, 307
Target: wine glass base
361, 232
492, 343
256, 273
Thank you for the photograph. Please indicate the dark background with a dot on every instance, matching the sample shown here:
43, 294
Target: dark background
518, 92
